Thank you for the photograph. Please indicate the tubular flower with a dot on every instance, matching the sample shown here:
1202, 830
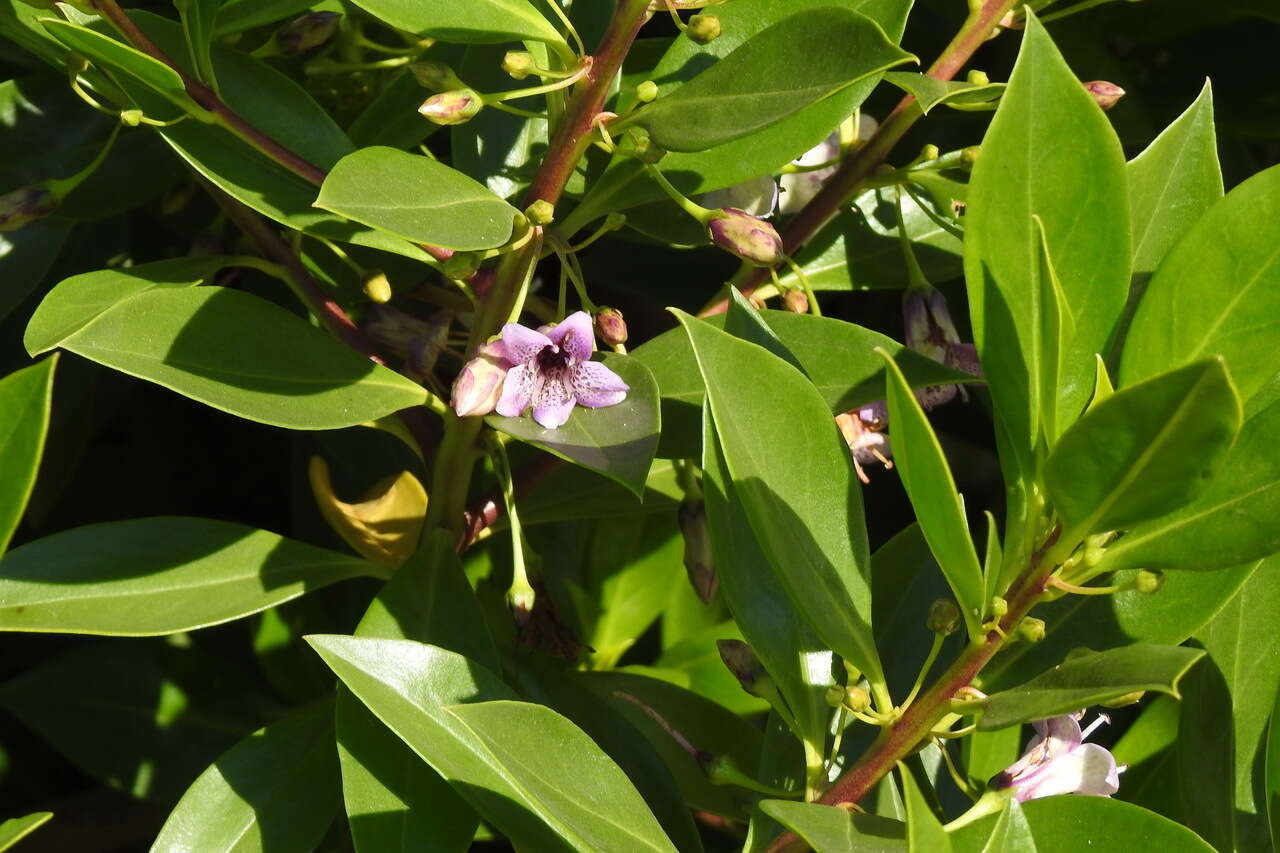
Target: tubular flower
1057, 761
553, 372
863, 430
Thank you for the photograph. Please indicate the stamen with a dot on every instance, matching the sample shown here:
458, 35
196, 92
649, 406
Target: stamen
1102, 718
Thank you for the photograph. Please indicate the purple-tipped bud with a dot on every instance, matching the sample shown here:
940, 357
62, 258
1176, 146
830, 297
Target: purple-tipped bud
436, 76
519, 64
457, 106
376, 286
703, 28
741, 660
24, 206
795, 301
748, 237
479, 386
1104, 94
944, 617
698, 560
307, 32
611, 326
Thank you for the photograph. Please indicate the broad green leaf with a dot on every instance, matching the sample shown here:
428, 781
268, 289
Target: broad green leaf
938, 506
930, 92
525, 768
1173, 182
924, 832
1144, 451
1205, 757
1151, 733
281, 370
617, 441
25, 397
987, 753
25, 256
116, 56
159, 575
198, 18
1072, 824
1089, 679
1011, 834
15, 829
742, 320
274, 792
1079, 193
239, 15
76, 302
476, 22
1057, 329
830, 829
1210, 291
1272, 773
794, 480
760, 83
416, 198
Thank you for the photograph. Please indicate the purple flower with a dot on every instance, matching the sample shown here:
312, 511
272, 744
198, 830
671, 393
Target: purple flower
553, 372
1057, 761
930, 331
863, 430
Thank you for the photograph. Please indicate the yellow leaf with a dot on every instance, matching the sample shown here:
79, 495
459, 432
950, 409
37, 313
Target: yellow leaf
384, 525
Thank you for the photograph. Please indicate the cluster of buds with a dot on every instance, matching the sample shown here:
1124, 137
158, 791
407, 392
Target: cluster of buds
863, 430
930, 331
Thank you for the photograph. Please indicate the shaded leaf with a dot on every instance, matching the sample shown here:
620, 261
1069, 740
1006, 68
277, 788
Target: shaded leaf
1071, 824
25, 397
15, 829
479, 22
930, 92
830, 829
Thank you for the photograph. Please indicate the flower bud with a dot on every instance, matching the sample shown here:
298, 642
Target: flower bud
24, 206
1148, 582
703, 28
457, 106
306, 32
856, 699
929, 152
795, 301
132, 118
1124, 701
1104, 94
699, 562
742, 661
746, 236
611, 326
435, 76
479, 384
461, 265
944, 617
977, 78
376, 286
541, 212
969, 156
519, 64
1031, 629
999, 607
646, 91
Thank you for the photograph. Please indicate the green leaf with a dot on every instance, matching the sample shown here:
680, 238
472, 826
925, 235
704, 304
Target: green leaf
1090, 679
760, 83
159, 575
281, 371
1069, 824
1057, 329
1079, 193
830, 829
25, 256
525, 768
1012, 833
1173, 182
116, 56
416, 198
25, 397
15, 829
617, 441
924, 832
239, 15
274, 792
1210, 290
77, 301
1205, 766
938, 506
794, 479
1272, 773
198, 18
930, 92
1144, 451
477, 22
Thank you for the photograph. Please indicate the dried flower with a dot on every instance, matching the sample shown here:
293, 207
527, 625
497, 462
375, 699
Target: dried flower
1057, 761
863, 430
699, 561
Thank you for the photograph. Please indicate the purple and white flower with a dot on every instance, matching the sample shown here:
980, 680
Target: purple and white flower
552, 371
1058, 761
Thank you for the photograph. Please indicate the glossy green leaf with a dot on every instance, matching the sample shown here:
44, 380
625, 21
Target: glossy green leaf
617, 441
1210, 290
239, 15
116, 56
987, 753
938, 506
1090, 679
525, 768
282, 371
1150, 734
159, 575
15, 829
275, 792
793, 477
416, 198
843, 48
77, 301
924, 831
1071, 824
1057, 330
25, 397
198, 18
930, 92
829, 829
478, 22
1271, 773
1144, 451
25, 256
1079, 193
1205, 767
1012, 833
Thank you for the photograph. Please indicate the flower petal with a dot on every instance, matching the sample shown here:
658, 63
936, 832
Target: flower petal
553, 403
574, 335
522, 344
596, 386
518, 391
1086, 769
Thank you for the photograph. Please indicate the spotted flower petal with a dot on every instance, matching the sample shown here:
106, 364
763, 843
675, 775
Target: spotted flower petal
523, 344
575, 335
596, 386
518, 391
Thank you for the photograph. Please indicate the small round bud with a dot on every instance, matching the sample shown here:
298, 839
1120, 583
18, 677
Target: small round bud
1104, 94
929, 152
24, 206
1148, 582
703, 28
461, 265
978, 78
1124, 701
611, 326
969, 156
944, 617
435, 76
1031, 629
746, 236
795, 301
131, 118
457, 106
646, 91
835, 696
541, 212
376, 286
306, 32
648, 151
519, 64
857, 699
999, 607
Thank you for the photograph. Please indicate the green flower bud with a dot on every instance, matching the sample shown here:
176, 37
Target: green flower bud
131, 118
24, 206
835, 696
746, 236
306, 32
1104, 94
457, 106
646, 91
857, 699
969, 156
795, 301
978, 78
1031, 629
611, 327
519, 64
376, 286
1148, 582
944, 617
461, 265
435, 76
541, 212
929, 152
703, 28
999, 607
